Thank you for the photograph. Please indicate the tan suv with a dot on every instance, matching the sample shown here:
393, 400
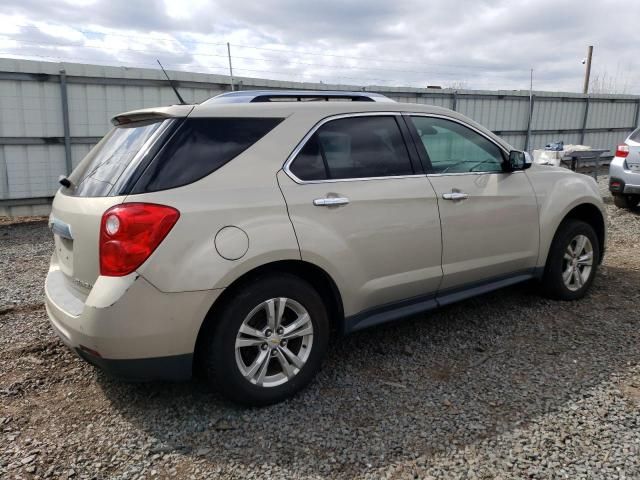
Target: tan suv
232, 237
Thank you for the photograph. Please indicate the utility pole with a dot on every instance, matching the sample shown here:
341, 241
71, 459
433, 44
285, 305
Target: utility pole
527, 142
587, 72
230, 67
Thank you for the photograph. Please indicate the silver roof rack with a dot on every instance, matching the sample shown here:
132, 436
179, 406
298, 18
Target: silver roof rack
255, 96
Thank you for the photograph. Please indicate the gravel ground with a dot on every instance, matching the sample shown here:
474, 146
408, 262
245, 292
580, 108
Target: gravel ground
508, 385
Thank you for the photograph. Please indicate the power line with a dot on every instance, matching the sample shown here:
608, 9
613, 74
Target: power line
180, 65
182, 41
375, 59
256, 59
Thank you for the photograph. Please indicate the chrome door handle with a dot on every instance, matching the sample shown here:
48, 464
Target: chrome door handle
455, 196
330, 201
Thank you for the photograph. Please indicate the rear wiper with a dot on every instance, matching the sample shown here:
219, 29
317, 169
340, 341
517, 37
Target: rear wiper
64, 181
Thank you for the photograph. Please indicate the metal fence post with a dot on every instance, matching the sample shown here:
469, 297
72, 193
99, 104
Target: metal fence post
4, 175
65, 121
527, 142
584, 120
454, 101
637, 113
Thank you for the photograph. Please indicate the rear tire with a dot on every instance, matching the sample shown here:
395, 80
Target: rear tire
572, 261
255, 366
626, 201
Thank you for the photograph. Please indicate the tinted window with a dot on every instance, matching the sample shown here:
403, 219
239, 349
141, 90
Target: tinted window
105, 164
454, 148
635, 136
355, 147
199, 147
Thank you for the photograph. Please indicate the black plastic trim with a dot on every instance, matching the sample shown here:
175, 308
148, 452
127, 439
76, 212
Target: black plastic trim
424, 303
418, 145
407, 137
389, 312
457, 294
173, 368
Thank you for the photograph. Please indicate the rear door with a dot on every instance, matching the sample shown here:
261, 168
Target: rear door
490, 227
363, 210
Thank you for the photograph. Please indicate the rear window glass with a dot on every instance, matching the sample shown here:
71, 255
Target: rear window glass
356, 147
635, 136
103, 167
199, 147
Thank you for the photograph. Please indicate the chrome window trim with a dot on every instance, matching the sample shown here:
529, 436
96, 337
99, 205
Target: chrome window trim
430, 175
313, 130
472, 128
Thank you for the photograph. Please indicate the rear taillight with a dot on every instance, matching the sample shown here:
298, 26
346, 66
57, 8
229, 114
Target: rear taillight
622, 151
130, 232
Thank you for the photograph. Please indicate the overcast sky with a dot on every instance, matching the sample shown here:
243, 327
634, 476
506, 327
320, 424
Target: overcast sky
475, 44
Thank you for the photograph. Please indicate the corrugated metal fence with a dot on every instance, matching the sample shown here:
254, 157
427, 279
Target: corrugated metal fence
52, 114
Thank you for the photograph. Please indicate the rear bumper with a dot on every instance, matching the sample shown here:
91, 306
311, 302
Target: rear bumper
622, 180
174, 368
127, 327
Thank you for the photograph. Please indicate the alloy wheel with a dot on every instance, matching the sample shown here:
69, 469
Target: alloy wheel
274, 342
577, 262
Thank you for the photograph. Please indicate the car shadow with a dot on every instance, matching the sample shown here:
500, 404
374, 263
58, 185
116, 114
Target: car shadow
416, 387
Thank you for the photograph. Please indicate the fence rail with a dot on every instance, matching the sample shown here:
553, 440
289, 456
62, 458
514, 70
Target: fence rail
52, 114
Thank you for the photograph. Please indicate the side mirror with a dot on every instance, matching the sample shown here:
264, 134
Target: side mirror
518, 161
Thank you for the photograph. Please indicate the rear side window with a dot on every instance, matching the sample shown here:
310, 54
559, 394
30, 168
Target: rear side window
199, 147
355, 147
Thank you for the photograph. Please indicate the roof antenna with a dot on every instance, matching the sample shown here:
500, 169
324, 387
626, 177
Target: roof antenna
182, 102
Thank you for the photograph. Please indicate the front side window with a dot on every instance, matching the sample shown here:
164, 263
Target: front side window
355, 147
454, 148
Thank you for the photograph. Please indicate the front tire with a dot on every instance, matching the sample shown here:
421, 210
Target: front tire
572, 261
268, 342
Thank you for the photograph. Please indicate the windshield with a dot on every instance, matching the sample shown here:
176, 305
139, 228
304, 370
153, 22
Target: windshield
120, 150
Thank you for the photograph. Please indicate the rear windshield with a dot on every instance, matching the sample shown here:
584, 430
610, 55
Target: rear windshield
635, 136
103, 167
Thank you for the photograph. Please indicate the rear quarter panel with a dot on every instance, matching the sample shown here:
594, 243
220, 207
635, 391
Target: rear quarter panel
243, 193
558, 191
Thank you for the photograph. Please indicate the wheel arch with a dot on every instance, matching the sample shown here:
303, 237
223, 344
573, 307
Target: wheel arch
588, 213
314, 275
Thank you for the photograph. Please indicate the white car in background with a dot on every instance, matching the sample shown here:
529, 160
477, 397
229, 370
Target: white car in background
624, 172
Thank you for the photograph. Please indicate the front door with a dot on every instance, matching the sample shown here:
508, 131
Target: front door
362, 211
490, 226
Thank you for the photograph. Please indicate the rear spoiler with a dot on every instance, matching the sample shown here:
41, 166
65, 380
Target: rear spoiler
174, 111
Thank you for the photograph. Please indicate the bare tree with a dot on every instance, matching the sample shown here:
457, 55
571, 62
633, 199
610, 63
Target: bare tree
604, 83
458, 85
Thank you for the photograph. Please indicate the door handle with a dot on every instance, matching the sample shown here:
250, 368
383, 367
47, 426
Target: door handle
330, 201
455, 196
